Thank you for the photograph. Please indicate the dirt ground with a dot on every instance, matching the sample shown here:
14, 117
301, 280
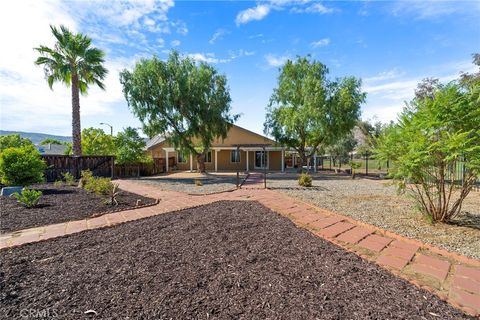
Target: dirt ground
60, 204
227, 260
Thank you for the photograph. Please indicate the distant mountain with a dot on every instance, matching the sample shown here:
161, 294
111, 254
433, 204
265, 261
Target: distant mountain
36, 137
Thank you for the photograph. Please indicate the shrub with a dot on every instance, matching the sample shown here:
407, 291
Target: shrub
100, 186
305, 180
355, 166
69, 178
85, 178
28, 198
58, 183
21, 166
14, 141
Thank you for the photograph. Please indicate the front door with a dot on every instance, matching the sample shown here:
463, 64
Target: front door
260, 160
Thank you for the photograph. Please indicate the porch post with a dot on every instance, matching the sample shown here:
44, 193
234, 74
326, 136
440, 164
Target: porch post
166, 162
315, 162
247, 161
216, 158
191, 162
283, 159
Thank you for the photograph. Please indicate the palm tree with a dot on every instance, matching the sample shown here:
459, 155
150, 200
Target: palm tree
76, 63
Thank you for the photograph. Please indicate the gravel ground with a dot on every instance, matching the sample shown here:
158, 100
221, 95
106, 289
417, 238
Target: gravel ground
186, 183
376, 202
226, 260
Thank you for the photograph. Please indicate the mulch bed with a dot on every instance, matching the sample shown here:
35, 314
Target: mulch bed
60, 204
219, 261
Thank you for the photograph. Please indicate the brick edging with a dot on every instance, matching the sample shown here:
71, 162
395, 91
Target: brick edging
394, 235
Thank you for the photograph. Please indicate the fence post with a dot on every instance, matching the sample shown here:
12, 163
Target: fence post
113, 167
366, 163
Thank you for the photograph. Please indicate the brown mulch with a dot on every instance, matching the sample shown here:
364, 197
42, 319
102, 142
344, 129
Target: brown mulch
226, 260
60, 204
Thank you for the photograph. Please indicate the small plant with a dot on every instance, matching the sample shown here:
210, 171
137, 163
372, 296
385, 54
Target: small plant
28, 197
305, 180
85, 178
100, 186
69, 178
198, 183
113, 193
58, 183
354, 166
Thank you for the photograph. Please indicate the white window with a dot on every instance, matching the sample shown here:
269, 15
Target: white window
235, 156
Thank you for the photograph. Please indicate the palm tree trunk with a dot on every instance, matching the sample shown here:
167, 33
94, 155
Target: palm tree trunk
76, 127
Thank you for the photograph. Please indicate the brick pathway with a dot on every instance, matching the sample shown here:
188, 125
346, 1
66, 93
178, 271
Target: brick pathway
450, 276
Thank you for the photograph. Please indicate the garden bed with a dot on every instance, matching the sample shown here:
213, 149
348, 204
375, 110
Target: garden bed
223, 260
60, 204
377, 202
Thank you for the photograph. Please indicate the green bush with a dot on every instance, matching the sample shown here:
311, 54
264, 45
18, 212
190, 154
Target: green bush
305, 180
100, 186
21, 166
28, 197
85, 178
69, 178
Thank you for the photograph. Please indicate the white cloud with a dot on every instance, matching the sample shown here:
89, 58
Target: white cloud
175, 43
387, 91
320, 43
240, 53
434, 9
218, 35
257, 13
206, 57
276, 60
314, 8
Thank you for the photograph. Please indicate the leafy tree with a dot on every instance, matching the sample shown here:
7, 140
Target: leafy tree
21, 166
13, 141
370, 131
435, 135
95, 142
187, 102
341, 149
308, 111
76, 63
51, 141
129, 146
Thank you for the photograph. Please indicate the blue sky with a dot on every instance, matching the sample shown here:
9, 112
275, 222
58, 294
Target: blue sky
391, 45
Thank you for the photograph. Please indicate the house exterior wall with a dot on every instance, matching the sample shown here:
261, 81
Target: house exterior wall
236, 136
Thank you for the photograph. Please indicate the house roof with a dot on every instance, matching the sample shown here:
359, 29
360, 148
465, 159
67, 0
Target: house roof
158, 139
53, 149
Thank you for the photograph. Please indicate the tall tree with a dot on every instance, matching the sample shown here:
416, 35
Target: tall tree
308, 111
187, 102
77, 64
129, 146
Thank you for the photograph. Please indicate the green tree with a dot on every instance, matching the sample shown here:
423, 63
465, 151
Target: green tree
129, 146
187, 102
51, 141
341, 149
76, 63
95, 142
437, 134
21, 166
13, 141
308, 111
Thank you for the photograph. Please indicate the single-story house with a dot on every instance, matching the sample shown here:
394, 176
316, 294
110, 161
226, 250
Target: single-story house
242, 149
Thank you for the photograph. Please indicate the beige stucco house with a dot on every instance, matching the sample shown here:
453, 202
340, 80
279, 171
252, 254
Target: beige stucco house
223, 155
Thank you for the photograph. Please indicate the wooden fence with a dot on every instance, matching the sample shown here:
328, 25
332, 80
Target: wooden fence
143, 169
58, 165
101, 166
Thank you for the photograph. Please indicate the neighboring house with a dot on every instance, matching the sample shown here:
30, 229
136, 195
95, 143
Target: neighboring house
52, 149
223, 155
